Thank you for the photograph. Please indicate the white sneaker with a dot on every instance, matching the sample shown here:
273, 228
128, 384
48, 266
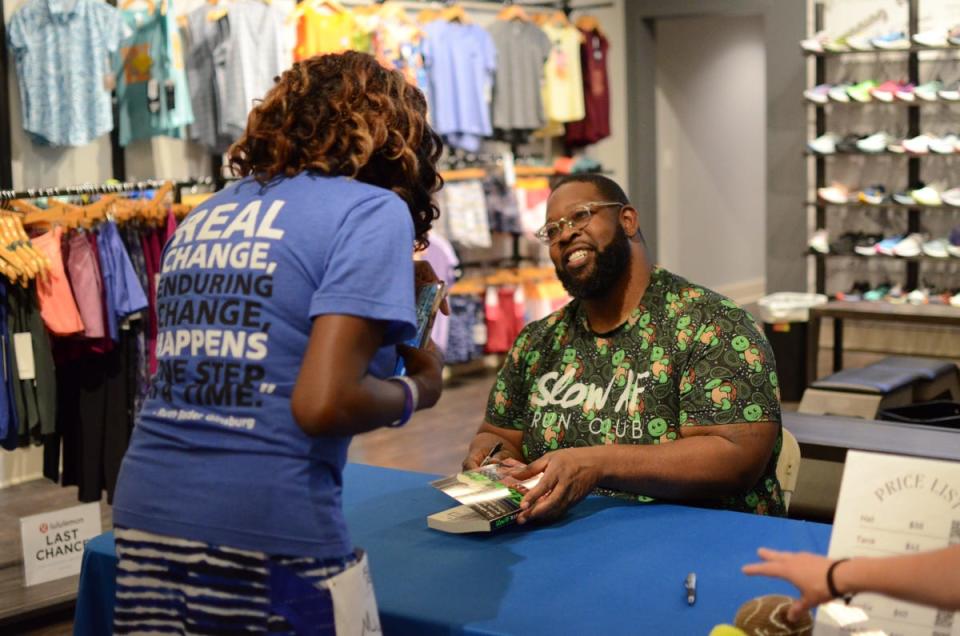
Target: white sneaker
819, 242
918, 297
951, 197
955, 300
933, 37
928, 92
876, 142
937, 248
824, 144
919, 145
838, 93
927, 196
910, 246
834, 194
814, 44
860, 43
946, 145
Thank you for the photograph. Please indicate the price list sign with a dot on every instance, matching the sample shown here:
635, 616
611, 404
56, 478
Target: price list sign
892, 505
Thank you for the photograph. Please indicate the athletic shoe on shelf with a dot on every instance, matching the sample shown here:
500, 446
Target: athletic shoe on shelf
933, 37
954, 246
927, 196
844, 243
885, 247
910, 247
903, 197
849, 143
838, 45
893, 41
819, 242
950, 92
906, 93
919, 145
866, 244
896, 295
861, 92
951, 197
936, 248
929, 91
955, 300
838, 92
953, 35
886, 91
855, 293
875, 143
872, 195
836, 193
896, 147
946, 145
877, 294
819, 94
919, 296
824, 144
814, 44
860, 43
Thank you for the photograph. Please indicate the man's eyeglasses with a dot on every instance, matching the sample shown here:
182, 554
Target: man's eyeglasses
577, 220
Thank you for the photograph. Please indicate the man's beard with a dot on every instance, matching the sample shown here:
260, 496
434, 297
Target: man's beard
609, 266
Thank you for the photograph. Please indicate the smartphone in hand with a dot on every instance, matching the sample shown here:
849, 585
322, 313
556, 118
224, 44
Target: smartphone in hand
429, 298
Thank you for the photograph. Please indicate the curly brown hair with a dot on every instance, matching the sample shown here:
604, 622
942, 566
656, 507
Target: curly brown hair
346, 115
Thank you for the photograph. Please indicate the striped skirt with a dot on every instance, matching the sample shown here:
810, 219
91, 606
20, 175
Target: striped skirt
167, 585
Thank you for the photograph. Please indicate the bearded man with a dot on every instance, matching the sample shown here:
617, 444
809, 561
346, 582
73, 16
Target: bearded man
645, 386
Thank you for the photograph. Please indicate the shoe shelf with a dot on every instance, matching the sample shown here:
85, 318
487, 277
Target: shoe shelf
882, 206
923, 258
885, 153
913, 163
913, 49
876, 102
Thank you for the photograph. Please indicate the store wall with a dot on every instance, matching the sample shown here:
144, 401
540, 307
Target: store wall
711, 133
784, 25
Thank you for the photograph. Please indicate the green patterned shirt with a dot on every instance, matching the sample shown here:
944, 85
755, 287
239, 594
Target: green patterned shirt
686, 356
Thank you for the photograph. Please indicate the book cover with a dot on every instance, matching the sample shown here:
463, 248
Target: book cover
489, 499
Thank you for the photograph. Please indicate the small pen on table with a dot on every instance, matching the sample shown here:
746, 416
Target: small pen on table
493, 451
690, 584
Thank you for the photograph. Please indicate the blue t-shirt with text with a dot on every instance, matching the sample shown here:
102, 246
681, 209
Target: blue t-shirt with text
216, 455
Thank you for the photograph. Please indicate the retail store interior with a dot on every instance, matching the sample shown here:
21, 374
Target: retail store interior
800, 158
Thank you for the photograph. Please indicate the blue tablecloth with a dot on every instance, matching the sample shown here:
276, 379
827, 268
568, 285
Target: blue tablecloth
610, 567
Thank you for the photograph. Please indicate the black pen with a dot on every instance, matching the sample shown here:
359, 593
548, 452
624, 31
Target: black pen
691, 586
493, 451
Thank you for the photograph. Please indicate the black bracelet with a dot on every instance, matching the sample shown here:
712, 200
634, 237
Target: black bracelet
834, 592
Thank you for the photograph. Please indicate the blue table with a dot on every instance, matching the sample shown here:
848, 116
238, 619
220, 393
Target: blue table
610, 567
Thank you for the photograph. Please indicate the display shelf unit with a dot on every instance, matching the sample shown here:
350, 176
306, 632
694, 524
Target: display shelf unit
913, 162
884, 257
883, 206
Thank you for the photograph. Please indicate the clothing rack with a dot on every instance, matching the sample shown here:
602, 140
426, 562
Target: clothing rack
503, 261
491, 5
105, 188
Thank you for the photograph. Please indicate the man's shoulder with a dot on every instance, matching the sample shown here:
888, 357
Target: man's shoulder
685, 296
536, 332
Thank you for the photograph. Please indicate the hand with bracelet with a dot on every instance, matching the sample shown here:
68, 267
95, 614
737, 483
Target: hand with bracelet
929, 578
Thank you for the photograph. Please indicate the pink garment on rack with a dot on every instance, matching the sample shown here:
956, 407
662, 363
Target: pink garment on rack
83, 270
152, 250
171, 226
57, 305
443, 259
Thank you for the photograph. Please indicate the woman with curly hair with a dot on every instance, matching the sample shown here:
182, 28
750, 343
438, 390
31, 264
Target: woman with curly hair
281, 302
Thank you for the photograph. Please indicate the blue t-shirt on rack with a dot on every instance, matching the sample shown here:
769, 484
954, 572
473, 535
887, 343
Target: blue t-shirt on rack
216, 455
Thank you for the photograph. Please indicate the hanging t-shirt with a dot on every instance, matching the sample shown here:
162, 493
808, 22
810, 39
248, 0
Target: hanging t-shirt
57, 305
320, 32
152, 81
522, 50
216, 455
596, 92
205, 38
399, 45
124, 293
465, 208
460, 61
62, 49
563, 88
83, 270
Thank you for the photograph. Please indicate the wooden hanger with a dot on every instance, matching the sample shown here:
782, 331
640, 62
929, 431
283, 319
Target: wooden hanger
151, 5
589, 23
394, 11
513, 12
559, 18
428, 15
455, 13
464, 174
217, 12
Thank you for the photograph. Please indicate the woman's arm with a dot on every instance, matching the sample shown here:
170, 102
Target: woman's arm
334, 395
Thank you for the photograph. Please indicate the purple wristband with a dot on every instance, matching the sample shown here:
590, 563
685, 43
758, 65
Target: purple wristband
408, 401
